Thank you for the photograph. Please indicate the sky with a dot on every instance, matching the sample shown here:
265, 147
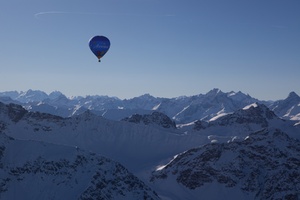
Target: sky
166, 48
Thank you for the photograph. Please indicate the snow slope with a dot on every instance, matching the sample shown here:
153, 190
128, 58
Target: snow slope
134, 145
37, 170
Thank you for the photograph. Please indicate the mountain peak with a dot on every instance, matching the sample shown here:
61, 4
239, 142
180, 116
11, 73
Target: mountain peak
259, 109
146, 96
238, 95
293, 95
214, 92
55, 94
32, 96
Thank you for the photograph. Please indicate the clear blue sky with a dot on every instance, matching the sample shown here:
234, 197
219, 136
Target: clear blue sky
167, 48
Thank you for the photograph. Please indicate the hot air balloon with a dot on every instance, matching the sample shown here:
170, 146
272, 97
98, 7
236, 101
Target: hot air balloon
99, 45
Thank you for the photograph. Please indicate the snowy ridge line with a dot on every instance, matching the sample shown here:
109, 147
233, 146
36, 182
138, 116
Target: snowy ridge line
182, 109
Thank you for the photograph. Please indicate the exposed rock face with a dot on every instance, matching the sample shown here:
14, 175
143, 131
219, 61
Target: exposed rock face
156, 118
15, 112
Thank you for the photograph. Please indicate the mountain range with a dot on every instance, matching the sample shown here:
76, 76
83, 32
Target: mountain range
213, 146
182, 109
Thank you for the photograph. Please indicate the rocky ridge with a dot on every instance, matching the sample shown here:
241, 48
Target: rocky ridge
155, 118
255, 113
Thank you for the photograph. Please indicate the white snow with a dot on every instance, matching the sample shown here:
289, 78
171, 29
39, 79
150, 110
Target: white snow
249, 106
134, 145
138, 147
160, 167
37, 170
231, 94
156, 107
218, 116
289, 111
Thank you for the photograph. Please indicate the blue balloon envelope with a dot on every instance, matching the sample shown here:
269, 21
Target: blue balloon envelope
99, 45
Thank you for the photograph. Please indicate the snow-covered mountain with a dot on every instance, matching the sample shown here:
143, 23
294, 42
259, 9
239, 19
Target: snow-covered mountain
140, 147
288, 108
32, 170
239, 124
137, 146
264, 165
206, 106
31, 95
180, 109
